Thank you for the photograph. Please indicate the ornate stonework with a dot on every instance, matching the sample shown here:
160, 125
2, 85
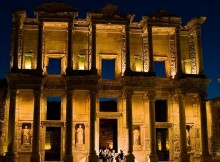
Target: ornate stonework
65, 110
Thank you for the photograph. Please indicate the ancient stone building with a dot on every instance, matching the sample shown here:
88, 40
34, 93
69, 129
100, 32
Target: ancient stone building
79, 85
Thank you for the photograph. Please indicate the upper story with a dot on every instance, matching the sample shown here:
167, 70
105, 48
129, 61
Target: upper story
105, 37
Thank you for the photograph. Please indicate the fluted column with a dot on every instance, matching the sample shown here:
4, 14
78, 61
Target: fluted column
94, 47
69, 128
153, 154
92, 153
16, 43
129, 157
199, 48
69, 67
205, 157
127, 44
11, 126
18, 17
184, 157
39, 47
150, 42
178, 53
35, 155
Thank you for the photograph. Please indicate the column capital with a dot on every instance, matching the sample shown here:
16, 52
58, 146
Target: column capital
151, 95
92, 92
127, 94
13, 91
203, 95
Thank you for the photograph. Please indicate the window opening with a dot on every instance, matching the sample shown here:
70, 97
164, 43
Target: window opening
108, 104
161, 110
54, 66
159, 68
53, 108
108, 69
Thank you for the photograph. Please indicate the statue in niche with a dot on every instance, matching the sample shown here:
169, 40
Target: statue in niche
79, 135
136, 134
187, 137
26, 135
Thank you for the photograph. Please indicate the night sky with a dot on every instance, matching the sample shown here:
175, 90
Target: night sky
186, 9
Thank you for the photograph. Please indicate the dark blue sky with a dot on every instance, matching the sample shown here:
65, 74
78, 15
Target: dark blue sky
186, 9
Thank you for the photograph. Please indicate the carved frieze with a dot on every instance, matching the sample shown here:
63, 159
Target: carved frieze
90, 50
20, 49
146, 52
192, 54
172, 56
192, 84
55, 9
123, 52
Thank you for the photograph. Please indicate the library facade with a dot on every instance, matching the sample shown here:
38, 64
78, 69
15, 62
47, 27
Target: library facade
77, 86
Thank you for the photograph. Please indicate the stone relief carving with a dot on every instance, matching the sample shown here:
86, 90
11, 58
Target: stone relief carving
123, 52
172, 56
20, 49
192, 54
146, 52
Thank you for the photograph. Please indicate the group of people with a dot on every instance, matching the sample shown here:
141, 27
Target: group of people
108, 155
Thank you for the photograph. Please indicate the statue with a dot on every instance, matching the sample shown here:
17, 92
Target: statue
26, 135
136, 137
187, 137
79, 135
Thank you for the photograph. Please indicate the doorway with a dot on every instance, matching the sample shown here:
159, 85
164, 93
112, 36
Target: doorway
53, 144
162, 144
108, 134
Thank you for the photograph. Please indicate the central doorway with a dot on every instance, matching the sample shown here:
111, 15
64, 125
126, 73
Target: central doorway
108, 134
53, 144
162, 144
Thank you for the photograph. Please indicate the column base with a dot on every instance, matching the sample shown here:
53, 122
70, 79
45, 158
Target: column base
68, 158
184, 157
153, 158
93, 157
35, 158
205, 158
10, 156
129, 158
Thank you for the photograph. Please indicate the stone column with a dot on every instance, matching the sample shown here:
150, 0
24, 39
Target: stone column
69, 128
92, 153
204, 132
69, 67
150, 42
153, 154
17, 24
178, 53
39, 47
93, 67
35, 155
199, 48
129, 157
184, 157
11, 126
127, 44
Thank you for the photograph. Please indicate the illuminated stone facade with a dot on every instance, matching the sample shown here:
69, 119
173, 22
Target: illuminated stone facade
155, 118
